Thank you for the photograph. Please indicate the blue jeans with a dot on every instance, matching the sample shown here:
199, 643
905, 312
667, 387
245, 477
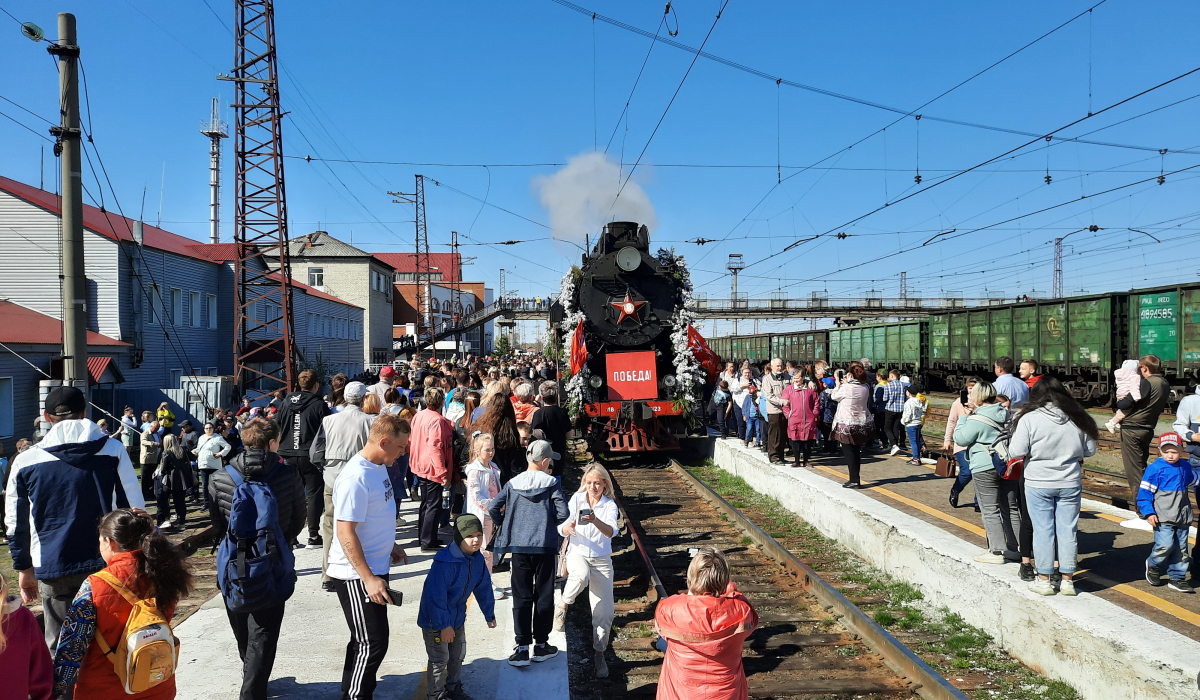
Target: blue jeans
755, 429
915, 441
1170, 551
739, 423
1055, 517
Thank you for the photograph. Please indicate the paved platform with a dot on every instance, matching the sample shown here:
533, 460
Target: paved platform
1119, 638
313, 644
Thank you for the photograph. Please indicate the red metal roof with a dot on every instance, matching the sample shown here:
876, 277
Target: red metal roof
109, 225
445, 263
21, 325
314, 291
217, 252
96, 367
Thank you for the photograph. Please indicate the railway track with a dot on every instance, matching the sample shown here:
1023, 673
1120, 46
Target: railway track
811, 640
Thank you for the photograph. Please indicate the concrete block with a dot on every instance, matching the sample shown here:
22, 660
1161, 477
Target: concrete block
1101, 649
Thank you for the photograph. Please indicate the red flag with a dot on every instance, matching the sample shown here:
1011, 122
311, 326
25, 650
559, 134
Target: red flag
703, 354
578, 349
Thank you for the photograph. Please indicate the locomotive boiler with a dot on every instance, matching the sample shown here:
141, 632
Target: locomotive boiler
632, 398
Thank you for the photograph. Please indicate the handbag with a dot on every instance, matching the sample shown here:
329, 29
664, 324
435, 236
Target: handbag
947, 466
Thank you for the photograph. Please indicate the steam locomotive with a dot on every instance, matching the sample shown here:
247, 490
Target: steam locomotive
628, 297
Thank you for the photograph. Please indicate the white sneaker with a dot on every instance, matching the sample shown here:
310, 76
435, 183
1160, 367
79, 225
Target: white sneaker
1112, 427
990, 558
498, 593
1067, 587
895, 450
1042, 586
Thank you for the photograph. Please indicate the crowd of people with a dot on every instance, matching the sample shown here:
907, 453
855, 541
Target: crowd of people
482, 448
480, 445
1021, 439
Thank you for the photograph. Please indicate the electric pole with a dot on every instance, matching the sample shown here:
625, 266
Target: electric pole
1056, 290
734, 266
68, 146
456, 292
903, 287
422, 277
215, 130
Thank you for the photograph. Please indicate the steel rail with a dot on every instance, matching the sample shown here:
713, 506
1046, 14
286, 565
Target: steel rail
660, 591
927, 682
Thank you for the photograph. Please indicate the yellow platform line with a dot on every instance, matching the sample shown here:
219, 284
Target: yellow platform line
1147, 598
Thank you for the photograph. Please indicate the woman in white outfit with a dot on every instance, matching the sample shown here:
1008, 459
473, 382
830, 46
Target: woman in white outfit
591, 524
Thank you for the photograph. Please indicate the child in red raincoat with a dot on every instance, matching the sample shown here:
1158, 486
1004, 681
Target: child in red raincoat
705, 629
800, 399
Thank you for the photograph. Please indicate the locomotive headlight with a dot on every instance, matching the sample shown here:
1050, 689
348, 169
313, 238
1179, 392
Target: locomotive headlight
669, 380
595, 381
629, 259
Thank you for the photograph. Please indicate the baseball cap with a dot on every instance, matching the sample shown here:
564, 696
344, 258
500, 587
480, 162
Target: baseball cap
387, 371
1169, 440
354, 390
65, 401
541, 449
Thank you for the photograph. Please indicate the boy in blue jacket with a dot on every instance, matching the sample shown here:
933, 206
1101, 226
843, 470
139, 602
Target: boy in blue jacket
1163, 501
457, 571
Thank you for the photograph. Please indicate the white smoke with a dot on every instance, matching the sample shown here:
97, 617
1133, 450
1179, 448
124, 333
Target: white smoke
580, 197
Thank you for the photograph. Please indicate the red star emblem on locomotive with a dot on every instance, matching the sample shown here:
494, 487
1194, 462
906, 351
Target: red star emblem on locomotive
628, 308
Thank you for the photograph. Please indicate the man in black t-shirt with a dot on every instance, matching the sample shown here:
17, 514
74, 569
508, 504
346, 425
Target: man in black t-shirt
555, 422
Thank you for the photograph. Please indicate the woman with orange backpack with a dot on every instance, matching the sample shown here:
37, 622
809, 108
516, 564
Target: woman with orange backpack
145, 577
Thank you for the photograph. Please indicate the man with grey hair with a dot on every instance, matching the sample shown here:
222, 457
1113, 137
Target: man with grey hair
342, 435
431, 459
555, 423
524, 407
773, 384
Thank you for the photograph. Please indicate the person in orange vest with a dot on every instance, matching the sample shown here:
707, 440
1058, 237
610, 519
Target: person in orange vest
150, 567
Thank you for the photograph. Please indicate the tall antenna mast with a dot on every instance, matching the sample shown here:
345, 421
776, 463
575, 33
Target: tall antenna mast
215, 130
265, 342
421, 258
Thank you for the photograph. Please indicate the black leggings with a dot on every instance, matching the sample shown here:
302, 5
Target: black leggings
895, 431
804, 446
853, 455
166, 498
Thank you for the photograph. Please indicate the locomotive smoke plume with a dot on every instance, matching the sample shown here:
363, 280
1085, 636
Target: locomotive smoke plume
579, 198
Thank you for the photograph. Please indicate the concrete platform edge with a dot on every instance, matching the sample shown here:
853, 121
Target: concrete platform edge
1101, 649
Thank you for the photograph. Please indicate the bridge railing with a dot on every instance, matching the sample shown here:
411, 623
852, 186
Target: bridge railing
866, 304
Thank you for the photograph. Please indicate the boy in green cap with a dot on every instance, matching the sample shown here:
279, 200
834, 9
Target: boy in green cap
458, 570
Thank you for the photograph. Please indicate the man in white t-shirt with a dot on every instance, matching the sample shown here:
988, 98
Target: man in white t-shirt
365, 549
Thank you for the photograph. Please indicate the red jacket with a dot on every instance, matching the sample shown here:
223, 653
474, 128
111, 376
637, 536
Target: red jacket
801, 412
97, 679
431, 448
704, 648
1033, 380
25, 663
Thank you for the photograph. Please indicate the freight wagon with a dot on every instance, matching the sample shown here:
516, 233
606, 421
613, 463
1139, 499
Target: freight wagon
1080, 340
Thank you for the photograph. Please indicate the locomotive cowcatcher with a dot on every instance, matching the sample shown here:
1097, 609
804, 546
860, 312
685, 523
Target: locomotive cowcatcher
628, 298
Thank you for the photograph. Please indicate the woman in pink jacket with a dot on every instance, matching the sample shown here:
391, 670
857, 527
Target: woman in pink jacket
800, 406
704, 630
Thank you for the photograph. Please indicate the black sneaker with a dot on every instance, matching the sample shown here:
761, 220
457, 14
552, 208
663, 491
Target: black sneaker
954, 497
457, 693
1028, 573
541, 652
1153, 577
1181, 586
327, 586
520, 657
315, 542
1056, 580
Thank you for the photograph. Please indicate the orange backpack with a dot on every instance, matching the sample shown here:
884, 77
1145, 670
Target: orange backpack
148, 651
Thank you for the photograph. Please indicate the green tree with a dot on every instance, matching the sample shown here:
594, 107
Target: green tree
502, 346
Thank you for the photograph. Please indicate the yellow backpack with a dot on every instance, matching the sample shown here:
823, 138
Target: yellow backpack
148, 650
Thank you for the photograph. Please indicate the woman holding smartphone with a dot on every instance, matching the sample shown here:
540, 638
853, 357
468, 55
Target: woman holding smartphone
853, 426
590, 525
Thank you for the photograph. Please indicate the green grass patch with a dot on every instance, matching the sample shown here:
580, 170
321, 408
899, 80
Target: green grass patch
885, 618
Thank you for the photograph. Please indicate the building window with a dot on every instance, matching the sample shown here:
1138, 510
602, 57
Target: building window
470, 309
212, 311
194, 303
176, 306
7, 410
156, 306
176, 377
212, 371
446, 307
374, 281
316, 277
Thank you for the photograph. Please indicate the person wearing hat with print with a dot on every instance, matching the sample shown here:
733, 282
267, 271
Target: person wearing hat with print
458, 571
528, 511
1163, 501
57, 491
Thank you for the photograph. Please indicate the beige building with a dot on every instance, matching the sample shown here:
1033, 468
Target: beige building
356, 276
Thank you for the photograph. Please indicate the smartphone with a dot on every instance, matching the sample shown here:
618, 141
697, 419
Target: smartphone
962, 396
396, 596
583, 513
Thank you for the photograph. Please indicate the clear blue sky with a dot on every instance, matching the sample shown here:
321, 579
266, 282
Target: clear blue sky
512, 83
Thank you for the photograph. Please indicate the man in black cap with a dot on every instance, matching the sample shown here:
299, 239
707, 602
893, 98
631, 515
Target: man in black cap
57, 492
